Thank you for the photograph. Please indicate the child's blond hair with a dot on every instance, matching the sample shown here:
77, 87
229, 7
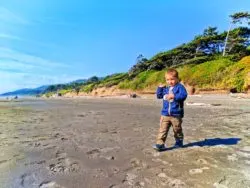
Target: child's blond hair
172, 72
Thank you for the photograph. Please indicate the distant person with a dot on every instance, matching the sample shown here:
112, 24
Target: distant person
172, 111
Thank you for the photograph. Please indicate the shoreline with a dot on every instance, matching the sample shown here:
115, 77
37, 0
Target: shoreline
143, 96
152, 96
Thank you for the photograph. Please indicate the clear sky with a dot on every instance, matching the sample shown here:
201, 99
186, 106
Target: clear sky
52, 41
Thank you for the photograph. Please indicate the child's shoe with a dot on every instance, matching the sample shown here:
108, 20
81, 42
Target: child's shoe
159, 147
178, 143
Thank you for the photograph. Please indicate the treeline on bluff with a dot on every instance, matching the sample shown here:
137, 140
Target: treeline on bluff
207, 46
210, 46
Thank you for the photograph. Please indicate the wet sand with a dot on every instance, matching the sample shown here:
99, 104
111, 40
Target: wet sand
98, 143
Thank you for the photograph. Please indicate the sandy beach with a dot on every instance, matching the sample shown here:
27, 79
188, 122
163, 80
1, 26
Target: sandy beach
107, 143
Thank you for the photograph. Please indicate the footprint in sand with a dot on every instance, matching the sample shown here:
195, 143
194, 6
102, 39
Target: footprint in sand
28, 180
35, 144
102, 153
202, 161
56, 168
60, 154
71, 165
93, 153
64, 165
100, 173
49, 185
171, 182
197, 170
151, 152
139, 164
36, 163
50, 147
129, 179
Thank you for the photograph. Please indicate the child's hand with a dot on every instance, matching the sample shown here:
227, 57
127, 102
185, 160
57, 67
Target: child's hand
161, 85
170, 96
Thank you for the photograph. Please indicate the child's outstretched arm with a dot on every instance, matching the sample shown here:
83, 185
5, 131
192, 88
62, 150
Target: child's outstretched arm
181, 95
159, 91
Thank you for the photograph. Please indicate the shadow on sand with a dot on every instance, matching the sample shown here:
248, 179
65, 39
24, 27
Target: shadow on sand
209, 142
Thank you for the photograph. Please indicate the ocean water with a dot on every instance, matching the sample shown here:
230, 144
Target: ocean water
12, 97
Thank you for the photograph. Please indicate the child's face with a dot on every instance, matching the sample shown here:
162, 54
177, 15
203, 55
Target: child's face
171, 80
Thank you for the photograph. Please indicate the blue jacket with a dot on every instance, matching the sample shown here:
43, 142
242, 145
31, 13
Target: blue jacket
176, 107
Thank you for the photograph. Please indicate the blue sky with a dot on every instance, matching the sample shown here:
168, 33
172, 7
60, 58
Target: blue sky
52, 41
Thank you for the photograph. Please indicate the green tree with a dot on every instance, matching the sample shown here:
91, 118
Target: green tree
93, 79
237, 18
141, 65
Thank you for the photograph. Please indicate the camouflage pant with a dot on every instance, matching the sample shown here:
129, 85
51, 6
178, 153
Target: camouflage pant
165, 123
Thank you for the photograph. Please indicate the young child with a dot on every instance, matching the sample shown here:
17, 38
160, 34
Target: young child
172, 112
